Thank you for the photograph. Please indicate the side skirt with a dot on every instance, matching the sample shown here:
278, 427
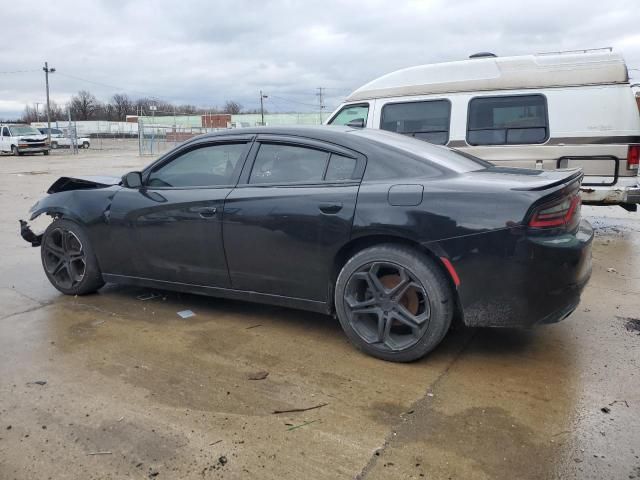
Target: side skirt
290, 302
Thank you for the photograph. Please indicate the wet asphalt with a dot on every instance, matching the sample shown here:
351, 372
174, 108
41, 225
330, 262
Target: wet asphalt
117, 385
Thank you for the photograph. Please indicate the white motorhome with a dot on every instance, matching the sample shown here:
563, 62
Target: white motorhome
552, 110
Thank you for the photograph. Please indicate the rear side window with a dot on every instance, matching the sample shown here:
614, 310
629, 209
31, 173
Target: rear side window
357, 114
510, 120
277, 163
427, 120
340, 168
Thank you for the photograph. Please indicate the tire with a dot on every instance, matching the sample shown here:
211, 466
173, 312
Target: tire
46, 152
68, 259
403, 315
54, 145
14, 151
85, 144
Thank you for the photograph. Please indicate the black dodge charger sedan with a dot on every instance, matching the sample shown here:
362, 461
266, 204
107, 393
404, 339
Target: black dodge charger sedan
393, 235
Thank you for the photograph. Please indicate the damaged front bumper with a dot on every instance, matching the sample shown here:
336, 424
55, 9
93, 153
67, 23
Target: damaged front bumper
28, 235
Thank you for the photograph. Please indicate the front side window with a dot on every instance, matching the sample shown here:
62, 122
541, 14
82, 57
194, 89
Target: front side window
512, 120
5, 132
354, 115
428, 120
208, 166
277, 163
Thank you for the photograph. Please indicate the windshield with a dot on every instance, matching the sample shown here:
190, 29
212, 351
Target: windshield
446, 157
23, 130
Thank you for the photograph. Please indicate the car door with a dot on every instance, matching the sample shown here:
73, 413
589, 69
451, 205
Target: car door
170, 229
289, 215
5, 140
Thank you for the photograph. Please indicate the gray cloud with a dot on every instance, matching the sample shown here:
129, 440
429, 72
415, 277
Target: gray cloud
206, 52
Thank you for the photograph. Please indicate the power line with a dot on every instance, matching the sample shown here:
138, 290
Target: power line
295, 101
122, 89
19, 71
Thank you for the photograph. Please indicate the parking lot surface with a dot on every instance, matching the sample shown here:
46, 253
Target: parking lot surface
117, 385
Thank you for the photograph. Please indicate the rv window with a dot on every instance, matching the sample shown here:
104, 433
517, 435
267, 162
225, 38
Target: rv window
351, 113
427, 120
512, 120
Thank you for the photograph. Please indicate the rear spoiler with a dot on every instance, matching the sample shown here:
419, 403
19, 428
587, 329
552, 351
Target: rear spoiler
554, 178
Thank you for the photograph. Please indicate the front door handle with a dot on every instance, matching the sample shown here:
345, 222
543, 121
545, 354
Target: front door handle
205, 212
330, 208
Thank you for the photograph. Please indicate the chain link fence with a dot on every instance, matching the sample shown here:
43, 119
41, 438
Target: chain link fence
97, 135
155, 139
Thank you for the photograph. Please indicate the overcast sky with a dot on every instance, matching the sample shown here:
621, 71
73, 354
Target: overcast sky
206, 52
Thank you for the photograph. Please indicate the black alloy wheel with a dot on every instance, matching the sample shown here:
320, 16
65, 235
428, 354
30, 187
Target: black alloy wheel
387, 305
394, 302
68, 259
64, 258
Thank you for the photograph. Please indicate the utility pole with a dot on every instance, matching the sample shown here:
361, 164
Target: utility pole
321, 99
47, 71
37, 104
262, 96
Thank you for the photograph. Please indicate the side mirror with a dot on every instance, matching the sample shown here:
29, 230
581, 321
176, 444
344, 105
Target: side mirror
132, 180
356, 123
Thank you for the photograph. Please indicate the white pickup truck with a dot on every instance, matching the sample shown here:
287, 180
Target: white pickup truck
19, 139
60, 139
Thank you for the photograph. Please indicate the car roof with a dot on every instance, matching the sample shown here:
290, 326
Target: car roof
370, 142
296, 130
356, 138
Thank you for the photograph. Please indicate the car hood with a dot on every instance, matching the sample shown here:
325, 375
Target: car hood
32, 138
88, 182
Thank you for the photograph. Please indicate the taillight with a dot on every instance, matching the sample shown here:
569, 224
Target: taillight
561, 213
633, 157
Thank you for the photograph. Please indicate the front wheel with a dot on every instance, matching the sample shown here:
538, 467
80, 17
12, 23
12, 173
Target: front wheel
68, 259
85, 144
14, 151
393, 302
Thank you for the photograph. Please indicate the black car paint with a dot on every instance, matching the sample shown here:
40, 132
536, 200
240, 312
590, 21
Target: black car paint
275, 244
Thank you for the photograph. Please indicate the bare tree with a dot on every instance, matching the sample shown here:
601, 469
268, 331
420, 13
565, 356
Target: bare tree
30, 114
84, 105
122, 105
232, 107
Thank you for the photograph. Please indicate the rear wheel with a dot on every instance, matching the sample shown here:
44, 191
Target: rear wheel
68, 259
54, 145
85, 144
393, 302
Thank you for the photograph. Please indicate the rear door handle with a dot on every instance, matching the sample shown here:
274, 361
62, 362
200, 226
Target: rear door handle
330, 208
205, 212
